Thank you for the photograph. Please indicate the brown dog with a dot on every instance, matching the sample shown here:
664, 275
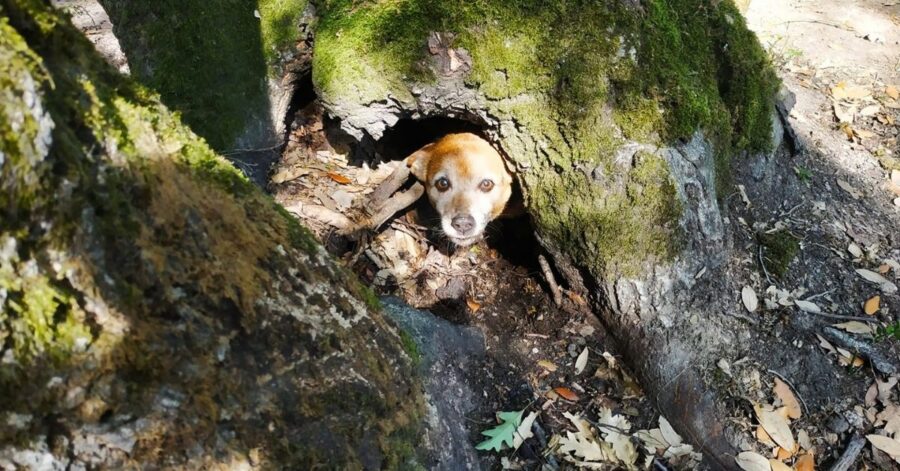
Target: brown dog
467, 183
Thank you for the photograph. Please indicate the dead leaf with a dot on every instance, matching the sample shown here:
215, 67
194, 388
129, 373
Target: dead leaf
855, 250
339, 178
805, 463
803, 440
892, 92
872, 305
581, 362
870, 110
776, 426
887, 445
779, 466
807, 306
863, 134
764, 437
669, 433
853, 192
752, 461
842, 91
474, 306
871, 395
784, 392
885, 285
844, 115
524, 431
566, 393
782, 454
547, 365
854, 327
751, 302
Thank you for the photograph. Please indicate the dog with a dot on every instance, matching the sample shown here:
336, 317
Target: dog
466, 181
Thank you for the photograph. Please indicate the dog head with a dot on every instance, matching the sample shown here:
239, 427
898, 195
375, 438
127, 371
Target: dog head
467, 183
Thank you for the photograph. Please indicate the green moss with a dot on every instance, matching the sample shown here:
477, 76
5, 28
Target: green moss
778, 251
208, 60
636, 214
410, 347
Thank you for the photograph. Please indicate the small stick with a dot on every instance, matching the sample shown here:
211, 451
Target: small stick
385, 189
548, 275
876, 358
848, 458
762, 263
389, 207
840, 317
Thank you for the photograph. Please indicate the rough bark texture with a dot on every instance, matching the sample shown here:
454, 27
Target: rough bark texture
620, 120
156, 309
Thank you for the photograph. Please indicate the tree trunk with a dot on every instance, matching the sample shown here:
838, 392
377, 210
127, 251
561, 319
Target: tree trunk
623, 121
156, 309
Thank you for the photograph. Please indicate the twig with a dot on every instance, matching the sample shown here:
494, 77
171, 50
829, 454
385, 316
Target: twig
840, 317
796, 392
848, 458
762, 263
824, 293
243, 151
817, 22
876, 358
551, 280
385, 189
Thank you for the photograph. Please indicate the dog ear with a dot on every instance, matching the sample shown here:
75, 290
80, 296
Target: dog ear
418, 162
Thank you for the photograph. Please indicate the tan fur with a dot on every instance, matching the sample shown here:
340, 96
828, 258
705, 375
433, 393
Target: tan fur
465, 160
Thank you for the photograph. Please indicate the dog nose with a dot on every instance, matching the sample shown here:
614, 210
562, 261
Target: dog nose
463, 224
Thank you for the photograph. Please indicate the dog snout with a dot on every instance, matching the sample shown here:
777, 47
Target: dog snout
463, 224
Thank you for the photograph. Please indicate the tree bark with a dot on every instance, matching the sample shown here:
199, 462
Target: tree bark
156, 309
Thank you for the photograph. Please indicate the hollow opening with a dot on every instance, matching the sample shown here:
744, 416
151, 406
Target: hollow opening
409, 135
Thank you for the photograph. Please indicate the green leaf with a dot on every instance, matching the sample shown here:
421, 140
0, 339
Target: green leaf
504, 432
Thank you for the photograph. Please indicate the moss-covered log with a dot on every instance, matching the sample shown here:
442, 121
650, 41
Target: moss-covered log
622, 119
155, 308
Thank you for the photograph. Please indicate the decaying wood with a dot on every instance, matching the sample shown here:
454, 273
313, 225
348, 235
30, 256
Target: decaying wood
875, 357
848, 458
395, 203
551, 280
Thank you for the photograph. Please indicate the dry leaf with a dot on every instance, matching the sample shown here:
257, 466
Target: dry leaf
871, 395
338, 178
863, 134
783, 391
524, 431
855, 250
853, 192
892, 92
870, 110
854, 327
885, 285
581, 362
844, 115
872, 305
669, 433
887, 445
764, 437
842, 91
566, 393
776, 426
782, 454
752, 461
803, 440
653, 440
807, 306
751, 302
547, 365
474, 306
779, 466
805, 463
621, 442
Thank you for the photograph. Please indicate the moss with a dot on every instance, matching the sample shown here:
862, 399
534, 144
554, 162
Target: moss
636, 214
579, 78
779, 250
410, 347
216, 76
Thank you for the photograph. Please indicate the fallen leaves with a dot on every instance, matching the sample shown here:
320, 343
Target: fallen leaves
752, 461
503, 434
586, 449
784, 392
892, 92
872, 305
581, 362
748, 296
886, 444
337, 177
855, 327
808, 306
883, 283
776, 424
566, 393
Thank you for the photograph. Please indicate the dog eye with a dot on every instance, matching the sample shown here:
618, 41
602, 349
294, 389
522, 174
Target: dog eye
442, 184
486, 185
